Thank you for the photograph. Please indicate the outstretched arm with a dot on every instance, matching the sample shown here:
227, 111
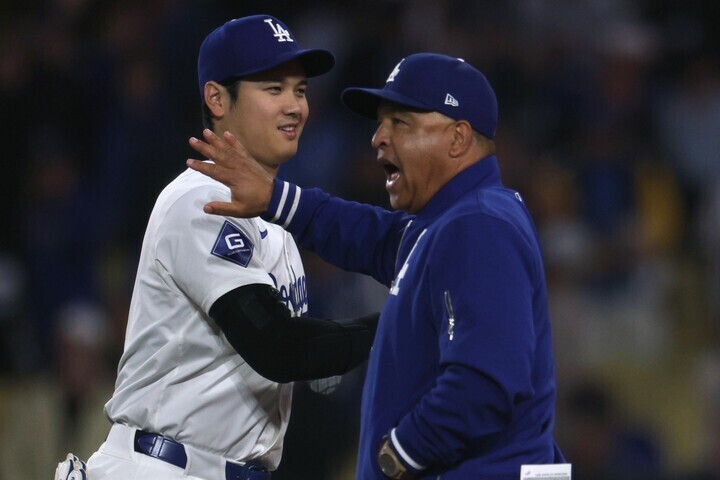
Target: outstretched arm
352, 236
283, 348
250, 184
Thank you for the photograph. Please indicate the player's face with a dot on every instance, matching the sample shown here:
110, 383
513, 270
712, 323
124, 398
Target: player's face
270, 113
412, 148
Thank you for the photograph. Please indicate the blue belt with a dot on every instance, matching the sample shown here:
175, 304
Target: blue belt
172, 452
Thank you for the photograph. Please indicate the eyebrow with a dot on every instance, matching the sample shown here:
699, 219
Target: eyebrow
397, 109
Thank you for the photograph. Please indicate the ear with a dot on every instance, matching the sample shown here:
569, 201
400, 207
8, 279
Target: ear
214, 97
462, 139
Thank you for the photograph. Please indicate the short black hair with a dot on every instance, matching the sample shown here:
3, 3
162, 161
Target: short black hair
231, 84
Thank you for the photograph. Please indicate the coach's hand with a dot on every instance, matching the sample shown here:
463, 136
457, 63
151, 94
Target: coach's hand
250, 184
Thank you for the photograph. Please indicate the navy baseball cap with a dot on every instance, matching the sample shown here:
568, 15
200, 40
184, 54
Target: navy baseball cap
433, 82
248, 45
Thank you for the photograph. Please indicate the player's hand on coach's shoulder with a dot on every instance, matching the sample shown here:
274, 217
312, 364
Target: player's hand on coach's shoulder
250, 185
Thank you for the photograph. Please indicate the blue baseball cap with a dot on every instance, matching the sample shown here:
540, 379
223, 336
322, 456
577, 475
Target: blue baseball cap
248, 45
433, 82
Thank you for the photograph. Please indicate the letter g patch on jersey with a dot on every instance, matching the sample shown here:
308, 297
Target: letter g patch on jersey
233, 245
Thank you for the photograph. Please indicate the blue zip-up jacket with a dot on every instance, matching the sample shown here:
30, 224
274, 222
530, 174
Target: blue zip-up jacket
461, 375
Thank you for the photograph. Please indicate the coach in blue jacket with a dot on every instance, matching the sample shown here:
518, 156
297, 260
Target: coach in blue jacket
461, 378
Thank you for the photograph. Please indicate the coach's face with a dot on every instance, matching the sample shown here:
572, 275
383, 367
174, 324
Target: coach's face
412, 148
270, 113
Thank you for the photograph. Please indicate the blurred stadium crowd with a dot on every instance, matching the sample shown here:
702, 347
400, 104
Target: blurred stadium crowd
609, 127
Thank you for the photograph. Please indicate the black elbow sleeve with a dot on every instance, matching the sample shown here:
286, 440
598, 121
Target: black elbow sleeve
249, 317
283, 348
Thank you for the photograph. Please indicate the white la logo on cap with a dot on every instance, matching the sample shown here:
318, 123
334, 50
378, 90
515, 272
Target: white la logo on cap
279, 32
395, 71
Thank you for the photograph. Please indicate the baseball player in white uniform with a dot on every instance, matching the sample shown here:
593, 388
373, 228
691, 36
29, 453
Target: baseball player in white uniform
216, 329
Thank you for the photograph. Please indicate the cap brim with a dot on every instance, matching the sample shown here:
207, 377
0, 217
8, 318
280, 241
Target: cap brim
314, 61
365, 101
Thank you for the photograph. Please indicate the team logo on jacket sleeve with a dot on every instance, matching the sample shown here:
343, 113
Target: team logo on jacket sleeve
233, 245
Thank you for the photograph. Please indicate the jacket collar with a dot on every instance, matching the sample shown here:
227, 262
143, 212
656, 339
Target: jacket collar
484, 173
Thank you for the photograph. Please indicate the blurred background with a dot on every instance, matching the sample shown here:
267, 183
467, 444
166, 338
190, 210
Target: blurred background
609, 127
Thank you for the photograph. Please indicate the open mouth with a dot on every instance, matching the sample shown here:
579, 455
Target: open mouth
390, 169
392, 173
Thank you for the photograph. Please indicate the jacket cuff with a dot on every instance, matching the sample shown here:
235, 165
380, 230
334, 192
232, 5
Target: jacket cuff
410, 463
283, 203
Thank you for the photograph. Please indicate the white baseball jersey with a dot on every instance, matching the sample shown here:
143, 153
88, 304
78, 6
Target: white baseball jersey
178, 375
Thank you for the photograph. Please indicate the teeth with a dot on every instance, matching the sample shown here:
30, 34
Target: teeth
287, 129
